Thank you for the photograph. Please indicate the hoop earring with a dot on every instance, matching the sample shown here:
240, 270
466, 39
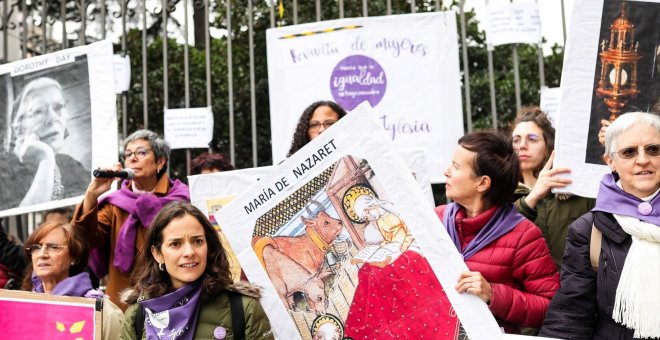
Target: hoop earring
161, 266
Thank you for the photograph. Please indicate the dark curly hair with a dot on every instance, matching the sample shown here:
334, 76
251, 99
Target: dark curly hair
210, 161
75, 243
496, 159
150, 281
301, 136
535, 115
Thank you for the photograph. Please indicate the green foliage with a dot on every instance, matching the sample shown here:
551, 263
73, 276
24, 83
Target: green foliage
478, 67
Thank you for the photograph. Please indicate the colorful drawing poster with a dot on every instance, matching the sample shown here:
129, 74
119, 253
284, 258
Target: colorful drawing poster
611, 66
26, 315
57, 122
345, 244
405, 66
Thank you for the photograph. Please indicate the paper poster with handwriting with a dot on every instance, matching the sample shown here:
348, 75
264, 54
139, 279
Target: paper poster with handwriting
57, 122
346, 245
405, 66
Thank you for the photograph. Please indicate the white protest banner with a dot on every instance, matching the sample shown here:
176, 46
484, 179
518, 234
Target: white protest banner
189, 128
210, 192
58, 121
339, 232
405, 66
416, 160
550, 99
512, 23
122, 73
589, 96
225, 185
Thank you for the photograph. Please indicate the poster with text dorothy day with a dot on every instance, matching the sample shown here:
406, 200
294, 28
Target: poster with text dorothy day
405, 66
57, 122
346, 245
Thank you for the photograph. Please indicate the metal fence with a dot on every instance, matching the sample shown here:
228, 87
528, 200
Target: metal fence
231, 33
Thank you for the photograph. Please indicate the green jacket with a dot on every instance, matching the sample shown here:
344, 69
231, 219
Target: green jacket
553, 216
215, 311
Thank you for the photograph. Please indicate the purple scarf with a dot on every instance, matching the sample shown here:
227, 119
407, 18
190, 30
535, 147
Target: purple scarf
173, 315
142, 208
505, 219
612, 199
79, 285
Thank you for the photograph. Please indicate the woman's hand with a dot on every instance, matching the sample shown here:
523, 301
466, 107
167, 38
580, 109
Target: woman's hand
547, 180
32, 150
474, 283
97, 187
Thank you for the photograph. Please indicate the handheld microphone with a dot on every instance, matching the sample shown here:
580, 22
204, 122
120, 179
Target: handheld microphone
125, 174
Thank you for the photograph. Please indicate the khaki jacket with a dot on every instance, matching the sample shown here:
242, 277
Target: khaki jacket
214, 312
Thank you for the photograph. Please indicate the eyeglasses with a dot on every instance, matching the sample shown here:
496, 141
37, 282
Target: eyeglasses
51, 248
531, 138
315, 126
632, 152
140, 153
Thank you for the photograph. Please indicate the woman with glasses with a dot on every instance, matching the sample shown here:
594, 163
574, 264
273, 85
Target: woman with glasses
116, 224
58, 261
183, 288
316, 118
509, 264
36, 134
534, 141
611, 267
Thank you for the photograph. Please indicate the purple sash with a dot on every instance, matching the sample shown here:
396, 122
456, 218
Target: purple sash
612, 199
79, 285
173, 315
142, 208
505, 219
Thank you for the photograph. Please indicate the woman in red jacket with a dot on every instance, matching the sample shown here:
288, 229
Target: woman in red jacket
510, 265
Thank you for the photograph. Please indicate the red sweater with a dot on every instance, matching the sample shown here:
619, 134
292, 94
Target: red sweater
518, 267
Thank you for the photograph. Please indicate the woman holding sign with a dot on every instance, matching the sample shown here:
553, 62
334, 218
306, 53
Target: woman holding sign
316, 118
183, 287
611, 268
510, 266
59, 259
534, 141
115, 224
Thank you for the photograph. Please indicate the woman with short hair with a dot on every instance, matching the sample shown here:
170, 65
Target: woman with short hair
116, 224
183, 285
58, 261
610, 273
208, 163
510, 266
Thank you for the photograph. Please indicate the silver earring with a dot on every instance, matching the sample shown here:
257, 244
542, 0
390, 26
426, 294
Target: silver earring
73, 263
161, 266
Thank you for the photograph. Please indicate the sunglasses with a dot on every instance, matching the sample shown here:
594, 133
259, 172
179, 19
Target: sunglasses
632, 152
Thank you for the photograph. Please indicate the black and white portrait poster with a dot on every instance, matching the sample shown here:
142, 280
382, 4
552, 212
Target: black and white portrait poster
58, 121
340, 235
611, 66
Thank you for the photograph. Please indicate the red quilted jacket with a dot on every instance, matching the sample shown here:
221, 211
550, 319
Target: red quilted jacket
518, 267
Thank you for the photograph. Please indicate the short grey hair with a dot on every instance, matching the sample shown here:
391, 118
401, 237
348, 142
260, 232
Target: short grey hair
626, 121
157, 144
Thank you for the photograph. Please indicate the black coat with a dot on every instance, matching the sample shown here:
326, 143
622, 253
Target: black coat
582, 308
